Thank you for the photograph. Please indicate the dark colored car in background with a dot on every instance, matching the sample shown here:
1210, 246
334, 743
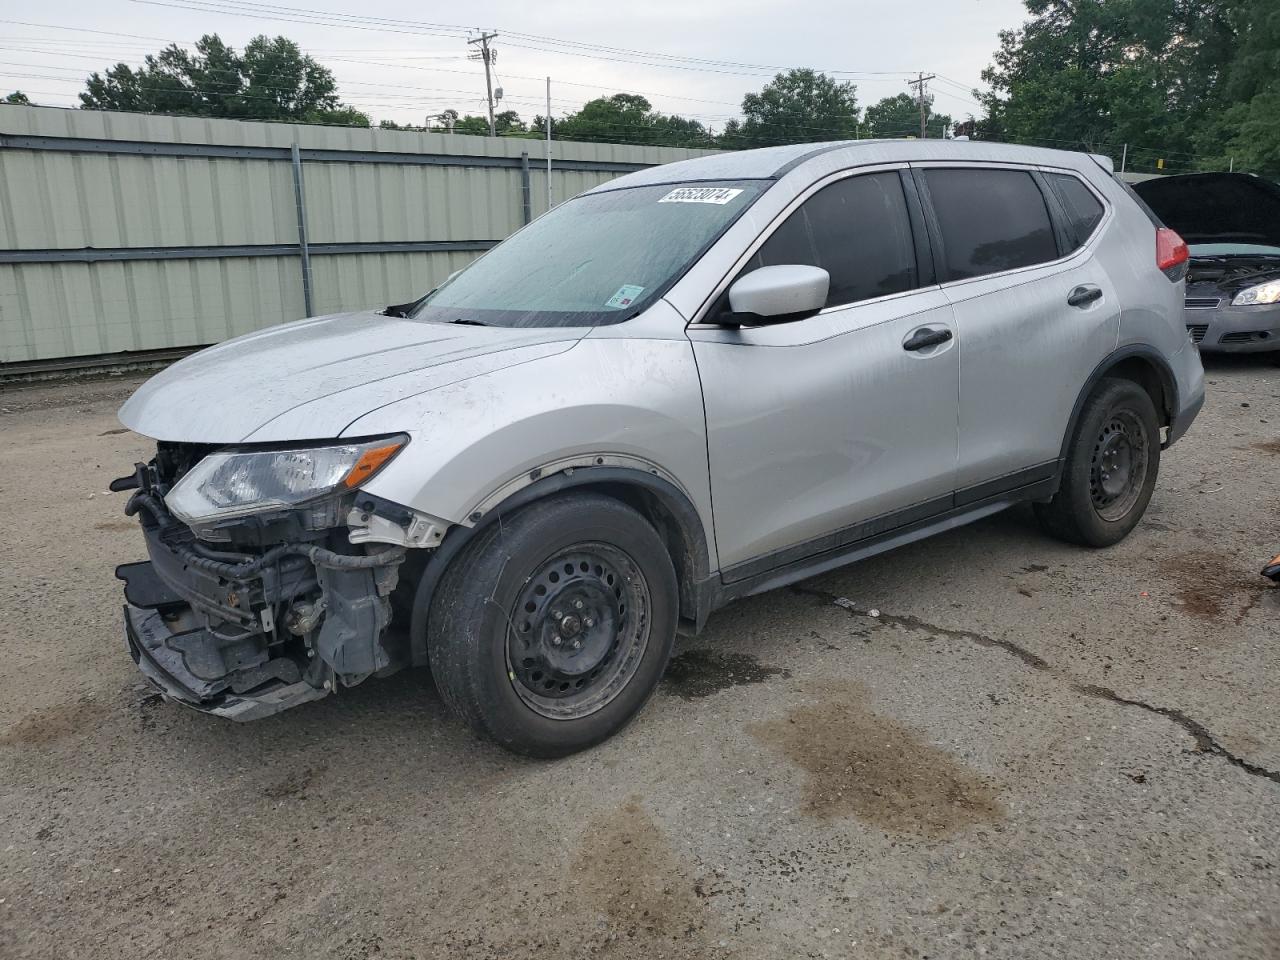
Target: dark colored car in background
1231, 222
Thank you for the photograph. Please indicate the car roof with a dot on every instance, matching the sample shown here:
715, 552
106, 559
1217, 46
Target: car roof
772, 163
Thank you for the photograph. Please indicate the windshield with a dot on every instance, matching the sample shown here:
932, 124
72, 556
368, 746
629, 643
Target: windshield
1233, 250
597, 259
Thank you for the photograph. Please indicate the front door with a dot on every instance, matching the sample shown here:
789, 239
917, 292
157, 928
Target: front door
822, 430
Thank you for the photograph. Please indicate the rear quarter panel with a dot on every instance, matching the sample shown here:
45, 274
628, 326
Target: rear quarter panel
1151, 305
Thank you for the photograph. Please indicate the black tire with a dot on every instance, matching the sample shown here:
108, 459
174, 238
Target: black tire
551, 630
1111, 467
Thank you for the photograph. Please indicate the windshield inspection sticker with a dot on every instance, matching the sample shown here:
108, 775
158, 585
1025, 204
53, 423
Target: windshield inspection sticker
625, 296
720, 195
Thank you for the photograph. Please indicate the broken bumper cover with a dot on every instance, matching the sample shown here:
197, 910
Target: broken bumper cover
161, 654
244, 637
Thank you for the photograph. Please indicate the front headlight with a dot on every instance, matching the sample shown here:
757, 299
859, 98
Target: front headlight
232, 484
1268, 292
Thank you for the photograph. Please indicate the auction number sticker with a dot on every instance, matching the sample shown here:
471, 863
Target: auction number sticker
720, 195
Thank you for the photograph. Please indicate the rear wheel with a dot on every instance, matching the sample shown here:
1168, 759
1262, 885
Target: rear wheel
1111, 467
552, 629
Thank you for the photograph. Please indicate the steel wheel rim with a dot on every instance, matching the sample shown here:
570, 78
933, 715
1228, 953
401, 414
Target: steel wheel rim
577, 631
1118, 466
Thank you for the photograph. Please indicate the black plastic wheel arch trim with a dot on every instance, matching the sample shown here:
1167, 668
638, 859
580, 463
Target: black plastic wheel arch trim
1143, 352
695, 594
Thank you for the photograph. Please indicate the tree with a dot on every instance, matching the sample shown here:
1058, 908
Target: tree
1190, 81
799, 106
507, 123
1252, 125
271, 80
476, 126
626, 118
899, 116
17, 97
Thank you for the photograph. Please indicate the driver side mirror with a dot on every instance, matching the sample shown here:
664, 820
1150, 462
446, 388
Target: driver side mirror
778, 294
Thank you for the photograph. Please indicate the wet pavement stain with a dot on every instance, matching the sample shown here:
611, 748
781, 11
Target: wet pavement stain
55, 723
1208, 585
294, 785
1269, 446
869, 766
700, 673
626, 871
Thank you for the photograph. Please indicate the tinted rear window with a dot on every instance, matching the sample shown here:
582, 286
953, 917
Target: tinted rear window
858, 231
991, 220
1084, 210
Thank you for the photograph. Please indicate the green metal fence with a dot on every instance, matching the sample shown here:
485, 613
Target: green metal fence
126, 232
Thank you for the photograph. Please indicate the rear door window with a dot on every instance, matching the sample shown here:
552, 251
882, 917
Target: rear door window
991, 220
857, 229
1084, 210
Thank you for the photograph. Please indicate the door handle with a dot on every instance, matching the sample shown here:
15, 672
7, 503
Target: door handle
1084, 295
925, 337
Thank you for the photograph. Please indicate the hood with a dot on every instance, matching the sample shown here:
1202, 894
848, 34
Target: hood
1216, 207
309, 380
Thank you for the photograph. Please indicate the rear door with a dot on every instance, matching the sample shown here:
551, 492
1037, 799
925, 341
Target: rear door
819, 426
1034, 312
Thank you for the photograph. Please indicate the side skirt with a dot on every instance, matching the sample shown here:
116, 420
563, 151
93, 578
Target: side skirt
880, 535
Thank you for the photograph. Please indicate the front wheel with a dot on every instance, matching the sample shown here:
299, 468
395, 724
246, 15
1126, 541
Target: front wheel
552, 629
1110, 470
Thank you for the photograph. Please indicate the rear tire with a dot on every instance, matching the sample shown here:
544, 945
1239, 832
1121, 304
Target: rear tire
1110, 472
551, 630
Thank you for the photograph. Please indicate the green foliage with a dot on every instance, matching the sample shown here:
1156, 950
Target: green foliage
17, 97
899, 116
627, 118
1191, 81
799, 106
271, 80
476, 126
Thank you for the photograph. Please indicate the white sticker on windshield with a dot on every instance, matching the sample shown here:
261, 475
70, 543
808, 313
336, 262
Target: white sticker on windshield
720, 195
625, 296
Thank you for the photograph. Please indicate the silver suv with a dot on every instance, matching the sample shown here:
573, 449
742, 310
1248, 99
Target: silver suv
691, 384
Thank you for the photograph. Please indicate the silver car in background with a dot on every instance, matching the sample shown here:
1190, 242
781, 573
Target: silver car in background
1231, 222
691, 384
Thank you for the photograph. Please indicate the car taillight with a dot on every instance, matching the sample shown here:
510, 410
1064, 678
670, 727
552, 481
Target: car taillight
1171, 253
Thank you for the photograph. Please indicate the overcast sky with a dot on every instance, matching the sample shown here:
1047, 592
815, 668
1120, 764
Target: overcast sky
408, 70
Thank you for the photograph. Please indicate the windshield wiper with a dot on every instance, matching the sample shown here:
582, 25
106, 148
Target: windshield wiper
468, 321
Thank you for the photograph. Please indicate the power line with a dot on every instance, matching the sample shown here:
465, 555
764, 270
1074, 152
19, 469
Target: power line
379, 24
327, 18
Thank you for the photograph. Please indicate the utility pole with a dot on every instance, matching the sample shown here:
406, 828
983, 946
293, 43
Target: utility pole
922, 100
488, 55
548, 143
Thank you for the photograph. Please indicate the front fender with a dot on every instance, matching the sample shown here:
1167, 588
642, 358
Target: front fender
624, 402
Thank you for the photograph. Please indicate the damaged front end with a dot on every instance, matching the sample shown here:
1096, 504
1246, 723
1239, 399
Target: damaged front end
271, 575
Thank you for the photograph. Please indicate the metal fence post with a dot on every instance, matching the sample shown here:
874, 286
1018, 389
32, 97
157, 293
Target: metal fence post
526, 202
302, 228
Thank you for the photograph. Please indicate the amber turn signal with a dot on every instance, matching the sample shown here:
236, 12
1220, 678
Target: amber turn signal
370, 462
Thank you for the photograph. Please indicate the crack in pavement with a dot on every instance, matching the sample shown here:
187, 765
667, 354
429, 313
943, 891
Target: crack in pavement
915, 623
1205, 741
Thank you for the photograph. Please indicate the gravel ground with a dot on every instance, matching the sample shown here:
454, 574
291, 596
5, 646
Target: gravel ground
1033, 751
